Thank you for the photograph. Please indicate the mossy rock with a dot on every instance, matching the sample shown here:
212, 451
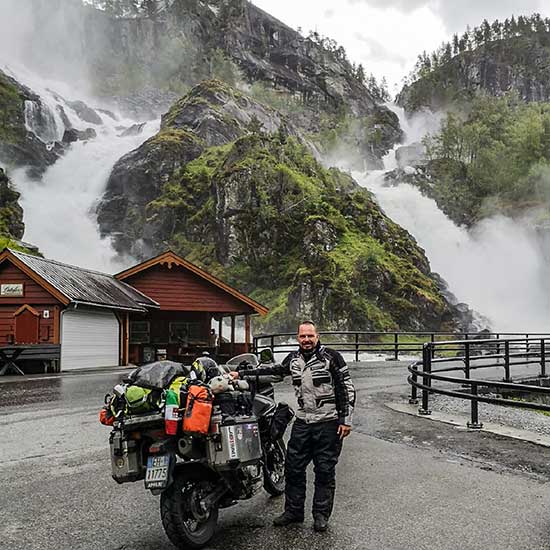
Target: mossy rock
268, 218
12, 109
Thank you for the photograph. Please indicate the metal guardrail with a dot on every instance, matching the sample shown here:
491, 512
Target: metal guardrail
392, 344
469, 355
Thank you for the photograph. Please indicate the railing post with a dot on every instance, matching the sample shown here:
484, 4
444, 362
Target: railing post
426, 380
357, 347
475, 424
413, 399
466, 359
396, 346
527, 346
542, 358
272, 343
498, 347
507, 361
432, 340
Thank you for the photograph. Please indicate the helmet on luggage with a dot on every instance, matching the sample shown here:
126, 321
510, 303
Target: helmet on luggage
205, 368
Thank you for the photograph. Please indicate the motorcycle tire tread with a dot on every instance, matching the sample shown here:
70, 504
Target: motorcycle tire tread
171, 508
273, 489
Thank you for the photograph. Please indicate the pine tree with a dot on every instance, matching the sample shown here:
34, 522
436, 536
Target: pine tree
467, 41
486, 31
360, 73
384, 90
447, 54
496, 28
506, 31
456, 48
513, 26
478, 37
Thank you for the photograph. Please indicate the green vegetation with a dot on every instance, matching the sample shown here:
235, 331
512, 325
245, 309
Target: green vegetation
11, 213
6, 242
495, 158
263, 214
341, 133
12, 129
496, 57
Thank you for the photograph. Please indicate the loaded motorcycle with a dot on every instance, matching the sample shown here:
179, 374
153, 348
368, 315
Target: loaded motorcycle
239, 450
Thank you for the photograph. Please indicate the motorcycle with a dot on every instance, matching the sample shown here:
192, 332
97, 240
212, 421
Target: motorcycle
196, 475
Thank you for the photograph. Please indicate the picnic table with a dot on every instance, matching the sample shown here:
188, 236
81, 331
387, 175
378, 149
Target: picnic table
11, 356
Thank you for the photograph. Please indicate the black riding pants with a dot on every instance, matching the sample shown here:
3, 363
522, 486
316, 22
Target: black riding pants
318, 442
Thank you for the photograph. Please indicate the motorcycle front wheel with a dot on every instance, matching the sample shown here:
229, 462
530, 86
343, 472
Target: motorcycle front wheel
274, 468
187, 523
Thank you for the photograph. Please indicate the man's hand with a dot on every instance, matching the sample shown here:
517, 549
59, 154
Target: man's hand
234, 374
343, 430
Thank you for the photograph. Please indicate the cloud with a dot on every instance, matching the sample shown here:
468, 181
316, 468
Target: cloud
379, 51
457, 15
405, 6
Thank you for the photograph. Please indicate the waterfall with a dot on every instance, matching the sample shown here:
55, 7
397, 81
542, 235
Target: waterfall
59, 210
497, 267
41, 121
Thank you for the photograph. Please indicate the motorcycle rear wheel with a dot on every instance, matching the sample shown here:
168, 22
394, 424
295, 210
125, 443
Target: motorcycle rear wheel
186, 523
274, 468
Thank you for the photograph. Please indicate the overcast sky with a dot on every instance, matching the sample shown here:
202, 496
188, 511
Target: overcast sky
386, 36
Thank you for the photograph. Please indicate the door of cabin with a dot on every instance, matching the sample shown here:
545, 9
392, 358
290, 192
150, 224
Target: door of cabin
27, 325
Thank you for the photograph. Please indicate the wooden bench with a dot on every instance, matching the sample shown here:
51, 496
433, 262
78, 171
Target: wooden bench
11, 357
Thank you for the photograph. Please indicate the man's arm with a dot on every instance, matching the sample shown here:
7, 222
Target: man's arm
277, 369
344, 389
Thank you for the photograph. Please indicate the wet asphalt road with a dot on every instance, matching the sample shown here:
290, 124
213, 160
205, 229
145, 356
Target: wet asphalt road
403, 482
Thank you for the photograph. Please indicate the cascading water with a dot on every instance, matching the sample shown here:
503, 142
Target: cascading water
498, 267
58, 210
40, 120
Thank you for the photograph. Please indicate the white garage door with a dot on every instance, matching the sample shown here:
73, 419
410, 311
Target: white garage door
89, 339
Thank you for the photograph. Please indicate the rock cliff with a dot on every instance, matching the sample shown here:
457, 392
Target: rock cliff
230, 184
519, 64
144, 64
11, 213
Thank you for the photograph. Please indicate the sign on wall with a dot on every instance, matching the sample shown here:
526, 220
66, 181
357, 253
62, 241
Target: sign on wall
11, 289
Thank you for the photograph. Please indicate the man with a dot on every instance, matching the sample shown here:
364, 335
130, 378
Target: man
326, 397
213, 342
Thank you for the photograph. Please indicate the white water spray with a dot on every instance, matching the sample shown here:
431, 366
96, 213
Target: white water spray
498, 267
59, 210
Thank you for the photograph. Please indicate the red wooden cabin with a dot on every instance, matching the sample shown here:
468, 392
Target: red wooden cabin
189, 299
163, 307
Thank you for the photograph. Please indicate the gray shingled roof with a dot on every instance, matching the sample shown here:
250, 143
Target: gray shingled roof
87, 286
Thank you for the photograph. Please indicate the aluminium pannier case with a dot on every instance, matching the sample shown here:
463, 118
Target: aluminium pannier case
236, 444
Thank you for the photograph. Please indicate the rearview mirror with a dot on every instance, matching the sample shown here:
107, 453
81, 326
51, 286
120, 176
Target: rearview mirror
266, 356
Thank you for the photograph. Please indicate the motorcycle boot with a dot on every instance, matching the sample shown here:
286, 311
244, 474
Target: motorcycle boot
320, 524
286, 519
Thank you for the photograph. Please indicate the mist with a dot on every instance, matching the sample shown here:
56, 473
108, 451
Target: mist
500, 267
46, 36
42, 48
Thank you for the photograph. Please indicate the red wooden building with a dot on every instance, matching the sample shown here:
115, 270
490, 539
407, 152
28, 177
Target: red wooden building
164, 306
191, 301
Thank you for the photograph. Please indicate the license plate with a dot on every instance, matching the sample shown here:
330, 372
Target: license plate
158, 470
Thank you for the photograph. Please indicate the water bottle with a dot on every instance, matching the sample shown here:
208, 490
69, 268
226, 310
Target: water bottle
171, 412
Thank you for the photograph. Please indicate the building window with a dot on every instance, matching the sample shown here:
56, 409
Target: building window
186, 334
140, 332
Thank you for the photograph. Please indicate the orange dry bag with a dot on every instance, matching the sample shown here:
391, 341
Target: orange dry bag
198, 410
